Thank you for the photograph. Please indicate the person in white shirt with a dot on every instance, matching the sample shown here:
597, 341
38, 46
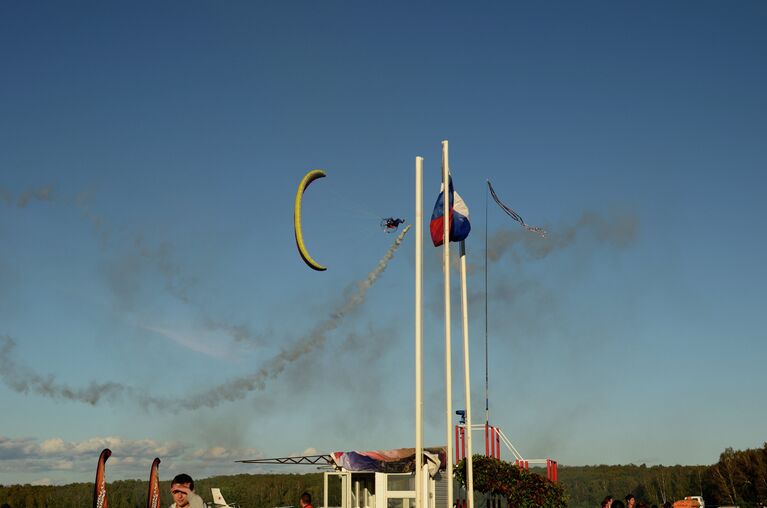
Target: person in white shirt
182, 490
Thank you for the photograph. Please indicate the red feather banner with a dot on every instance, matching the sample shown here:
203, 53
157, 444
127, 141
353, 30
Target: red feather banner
153, 498
100, 488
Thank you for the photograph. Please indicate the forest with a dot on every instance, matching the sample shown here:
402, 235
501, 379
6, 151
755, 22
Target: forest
739, 478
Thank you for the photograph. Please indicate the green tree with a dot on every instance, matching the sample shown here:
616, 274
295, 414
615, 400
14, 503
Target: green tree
739, 478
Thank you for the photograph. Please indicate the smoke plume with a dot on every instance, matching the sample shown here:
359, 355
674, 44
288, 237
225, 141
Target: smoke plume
162, 257
241, 332
22, 379
593, 231
238, 388
123, 278
44, 193
619, 231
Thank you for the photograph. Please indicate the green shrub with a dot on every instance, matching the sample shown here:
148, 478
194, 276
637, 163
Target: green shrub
520, 488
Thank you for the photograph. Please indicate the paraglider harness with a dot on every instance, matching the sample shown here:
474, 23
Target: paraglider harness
390, 224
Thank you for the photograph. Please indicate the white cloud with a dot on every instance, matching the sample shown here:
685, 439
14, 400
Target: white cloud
131, 458
63, 465
221, 453
94, 445
209, 344
15, 448
52, 446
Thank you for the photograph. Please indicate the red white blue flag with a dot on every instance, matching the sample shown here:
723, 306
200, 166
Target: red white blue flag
459, 217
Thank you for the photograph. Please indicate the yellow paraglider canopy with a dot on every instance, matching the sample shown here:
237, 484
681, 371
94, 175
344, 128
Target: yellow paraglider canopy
305, 181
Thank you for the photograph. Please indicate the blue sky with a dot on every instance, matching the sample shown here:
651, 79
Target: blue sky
149, 157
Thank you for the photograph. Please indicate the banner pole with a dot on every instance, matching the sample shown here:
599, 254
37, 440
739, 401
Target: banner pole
448, 359
418, 331
467, 381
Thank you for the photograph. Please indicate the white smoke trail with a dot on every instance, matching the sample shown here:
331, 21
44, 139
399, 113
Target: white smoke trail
238, 388
44, 193
22, 379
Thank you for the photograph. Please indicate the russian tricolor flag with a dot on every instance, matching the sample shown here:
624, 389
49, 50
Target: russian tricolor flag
459, 217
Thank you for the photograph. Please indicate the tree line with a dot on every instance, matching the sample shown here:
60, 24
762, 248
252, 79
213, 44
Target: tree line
739, 478
248, 490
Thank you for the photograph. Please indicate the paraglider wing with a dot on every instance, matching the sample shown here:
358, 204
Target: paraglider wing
100, 487
305, 181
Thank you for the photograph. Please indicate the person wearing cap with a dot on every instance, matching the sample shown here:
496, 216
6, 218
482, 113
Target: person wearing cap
182, 490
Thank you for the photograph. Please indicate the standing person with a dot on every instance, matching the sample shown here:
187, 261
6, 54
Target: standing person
182, 490
630, 501
607, 502
306, 500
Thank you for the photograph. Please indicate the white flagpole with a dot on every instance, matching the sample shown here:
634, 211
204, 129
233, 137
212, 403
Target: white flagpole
418, 331
467, 381
448, 360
